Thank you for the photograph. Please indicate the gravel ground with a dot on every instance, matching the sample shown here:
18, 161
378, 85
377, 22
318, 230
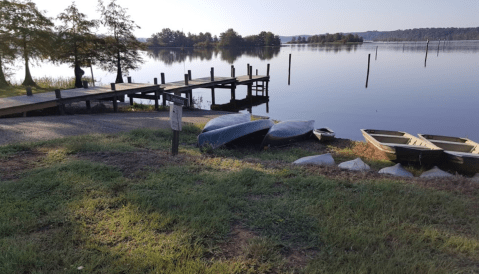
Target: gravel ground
22, 129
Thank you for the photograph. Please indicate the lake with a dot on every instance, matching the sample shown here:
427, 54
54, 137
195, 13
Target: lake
328, 83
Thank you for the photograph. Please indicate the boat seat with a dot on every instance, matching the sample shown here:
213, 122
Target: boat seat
463, 154
453, 146
384, 138
406, 146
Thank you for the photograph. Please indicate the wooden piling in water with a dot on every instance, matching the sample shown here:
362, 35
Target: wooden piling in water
162, 78
212, 74
129, 79
427, 48
367, 77
189, 74
438, 44
376, 53
289, 70
251, 72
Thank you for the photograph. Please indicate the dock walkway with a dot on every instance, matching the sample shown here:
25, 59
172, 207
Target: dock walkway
117, 92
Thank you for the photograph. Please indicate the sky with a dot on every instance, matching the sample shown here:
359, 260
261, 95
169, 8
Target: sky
282, 17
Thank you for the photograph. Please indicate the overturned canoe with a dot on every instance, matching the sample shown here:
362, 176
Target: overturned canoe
324, 134
288, 132
461, 153
402, 147
226, 121
245, 133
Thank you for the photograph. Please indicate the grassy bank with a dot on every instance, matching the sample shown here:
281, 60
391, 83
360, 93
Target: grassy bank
44, 84
122, 204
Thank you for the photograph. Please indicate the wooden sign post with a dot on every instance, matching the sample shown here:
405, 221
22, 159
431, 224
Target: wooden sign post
176, 113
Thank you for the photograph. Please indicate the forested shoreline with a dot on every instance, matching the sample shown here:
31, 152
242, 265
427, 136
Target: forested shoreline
229, 38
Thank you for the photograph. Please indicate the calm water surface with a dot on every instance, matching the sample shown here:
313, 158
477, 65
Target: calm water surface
328, 84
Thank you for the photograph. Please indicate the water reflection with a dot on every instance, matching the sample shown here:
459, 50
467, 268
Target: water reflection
244, 104
170, 56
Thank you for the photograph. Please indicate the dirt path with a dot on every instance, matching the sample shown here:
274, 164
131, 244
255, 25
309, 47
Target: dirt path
14, 130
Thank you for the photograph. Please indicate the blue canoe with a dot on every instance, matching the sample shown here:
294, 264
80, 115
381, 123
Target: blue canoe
245, 133
226, 121
287, 132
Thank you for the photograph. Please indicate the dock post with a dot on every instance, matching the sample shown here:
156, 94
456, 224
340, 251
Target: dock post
247, 69
234, 72
115, 97
267, 81
213, 96
58, 95
376, 53
250, 72
233, 91
212, 73
157, 96
29, 91
256, 72
232, 67
162, 78
85, 84
129, 79
189, 74
155, 81
186, 79
88, 104
367, 77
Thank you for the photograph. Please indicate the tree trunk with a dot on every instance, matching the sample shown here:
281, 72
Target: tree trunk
119, 78
28, 77
78, 75
3, 81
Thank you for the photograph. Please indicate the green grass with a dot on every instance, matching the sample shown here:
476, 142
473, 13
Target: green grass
70, 212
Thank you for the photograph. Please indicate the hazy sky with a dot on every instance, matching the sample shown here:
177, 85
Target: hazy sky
293, 17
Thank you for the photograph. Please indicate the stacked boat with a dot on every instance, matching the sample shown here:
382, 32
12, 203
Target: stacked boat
460, 153
402, 147
238, 129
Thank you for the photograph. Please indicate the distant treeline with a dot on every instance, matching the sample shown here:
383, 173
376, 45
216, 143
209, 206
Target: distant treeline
429, 33
229, 38
328, 38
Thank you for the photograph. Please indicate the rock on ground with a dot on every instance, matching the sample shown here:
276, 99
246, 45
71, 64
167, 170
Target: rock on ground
356, 164
435, 172
397, 170
323, 159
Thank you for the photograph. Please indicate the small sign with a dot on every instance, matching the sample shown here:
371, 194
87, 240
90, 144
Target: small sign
176, 113
176, 99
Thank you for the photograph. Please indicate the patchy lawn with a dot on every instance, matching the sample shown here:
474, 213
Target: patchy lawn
122, 204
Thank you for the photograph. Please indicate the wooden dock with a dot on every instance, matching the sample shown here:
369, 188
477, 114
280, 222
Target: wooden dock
117, 92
